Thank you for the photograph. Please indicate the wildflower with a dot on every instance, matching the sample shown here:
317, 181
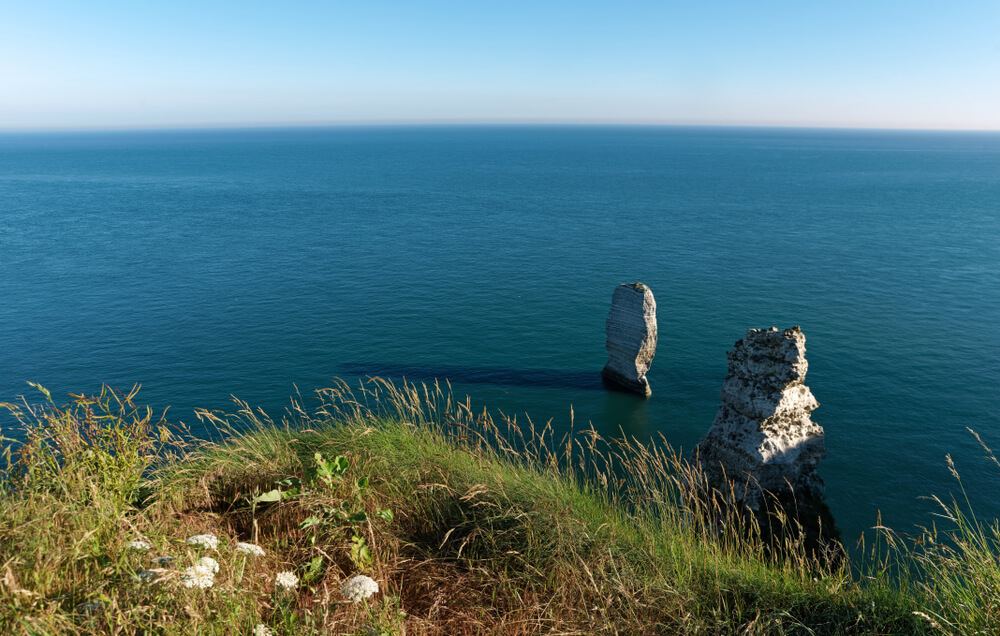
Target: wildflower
286, 580
249, 548
262, 630
359, 587
208, 541
140, 545
198, 577
208, 564
202, 574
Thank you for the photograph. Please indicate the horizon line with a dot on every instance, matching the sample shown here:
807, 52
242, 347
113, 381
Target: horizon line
499, 123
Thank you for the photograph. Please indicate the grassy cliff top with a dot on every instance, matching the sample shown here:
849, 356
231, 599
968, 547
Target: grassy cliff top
113, 522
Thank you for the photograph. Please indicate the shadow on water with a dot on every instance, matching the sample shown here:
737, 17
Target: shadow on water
502, 376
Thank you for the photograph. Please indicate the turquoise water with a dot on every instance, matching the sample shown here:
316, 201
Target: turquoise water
246, 262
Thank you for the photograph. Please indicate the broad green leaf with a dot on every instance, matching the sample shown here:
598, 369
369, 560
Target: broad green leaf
360, 554
340, 465
314, 569
268, 497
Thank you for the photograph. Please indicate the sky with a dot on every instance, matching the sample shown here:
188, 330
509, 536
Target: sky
152, 64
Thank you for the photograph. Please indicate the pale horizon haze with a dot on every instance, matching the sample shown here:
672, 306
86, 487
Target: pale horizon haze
894, 64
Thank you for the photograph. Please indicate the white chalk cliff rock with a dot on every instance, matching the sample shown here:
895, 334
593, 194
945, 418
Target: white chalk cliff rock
763, 437
631, 344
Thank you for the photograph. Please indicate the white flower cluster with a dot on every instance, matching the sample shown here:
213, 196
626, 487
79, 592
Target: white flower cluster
207, 541
262, 630
286, 580
249, 548
196, 577
202, 574
359, 587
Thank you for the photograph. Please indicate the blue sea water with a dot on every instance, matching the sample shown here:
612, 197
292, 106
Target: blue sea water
249, 262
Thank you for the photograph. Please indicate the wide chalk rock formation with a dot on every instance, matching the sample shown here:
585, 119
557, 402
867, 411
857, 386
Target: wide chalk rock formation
762, 437
631, 328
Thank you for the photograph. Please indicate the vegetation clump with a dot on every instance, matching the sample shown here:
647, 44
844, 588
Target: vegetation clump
637, 286
398, 510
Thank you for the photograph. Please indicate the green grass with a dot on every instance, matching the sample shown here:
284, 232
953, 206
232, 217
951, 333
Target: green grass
469, 525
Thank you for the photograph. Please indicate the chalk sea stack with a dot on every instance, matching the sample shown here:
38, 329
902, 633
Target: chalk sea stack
762, 437
631, 344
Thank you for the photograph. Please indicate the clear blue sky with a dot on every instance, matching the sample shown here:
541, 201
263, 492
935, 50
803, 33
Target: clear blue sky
145, 63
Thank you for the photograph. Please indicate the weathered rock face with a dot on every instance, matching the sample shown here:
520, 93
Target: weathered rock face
631, 328
762, 437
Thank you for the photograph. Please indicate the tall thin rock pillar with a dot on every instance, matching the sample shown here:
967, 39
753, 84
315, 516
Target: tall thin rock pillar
631, 344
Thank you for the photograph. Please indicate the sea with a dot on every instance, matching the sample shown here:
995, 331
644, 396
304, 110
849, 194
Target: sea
261, 263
